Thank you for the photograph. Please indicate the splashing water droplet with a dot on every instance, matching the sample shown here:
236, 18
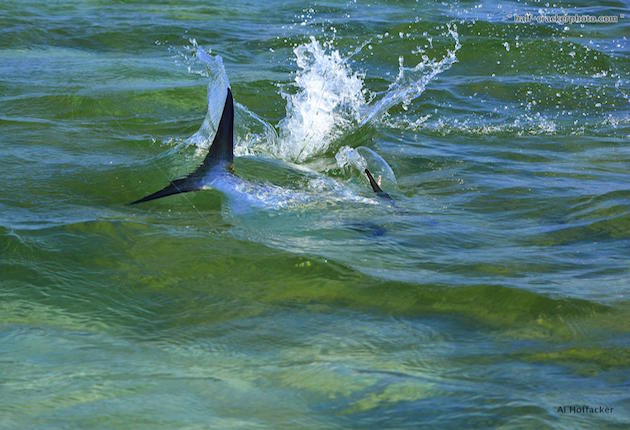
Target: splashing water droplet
328, 101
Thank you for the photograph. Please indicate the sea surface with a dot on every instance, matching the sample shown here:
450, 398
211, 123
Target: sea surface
493, 291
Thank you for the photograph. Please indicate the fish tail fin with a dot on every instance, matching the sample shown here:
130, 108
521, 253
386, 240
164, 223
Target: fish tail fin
221, 151
176, 187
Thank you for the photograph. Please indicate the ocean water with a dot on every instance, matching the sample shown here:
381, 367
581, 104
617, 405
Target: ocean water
493, 291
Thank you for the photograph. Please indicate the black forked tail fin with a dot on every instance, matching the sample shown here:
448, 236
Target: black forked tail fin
221, 150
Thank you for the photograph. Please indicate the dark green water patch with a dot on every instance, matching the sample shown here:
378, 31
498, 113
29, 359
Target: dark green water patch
585, 360
614, 228
221, 270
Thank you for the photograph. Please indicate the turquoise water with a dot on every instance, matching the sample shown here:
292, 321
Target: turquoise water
495, 289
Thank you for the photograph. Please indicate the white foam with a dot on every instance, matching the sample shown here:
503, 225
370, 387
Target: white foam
328, 100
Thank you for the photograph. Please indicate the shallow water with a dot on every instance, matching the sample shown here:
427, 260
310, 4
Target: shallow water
494, 289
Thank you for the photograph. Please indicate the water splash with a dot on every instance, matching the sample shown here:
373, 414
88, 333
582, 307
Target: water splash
347, 156
253, 135
217, 93
412, 81
328, 101
362, 158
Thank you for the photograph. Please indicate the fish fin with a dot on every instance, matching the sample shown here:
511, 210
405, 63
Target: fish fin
375, 185
183, 185
221, 150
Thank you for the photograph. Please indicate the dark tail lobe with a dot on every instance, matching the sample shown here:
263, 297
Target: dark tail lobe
221, 150
183, 185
